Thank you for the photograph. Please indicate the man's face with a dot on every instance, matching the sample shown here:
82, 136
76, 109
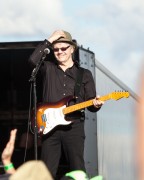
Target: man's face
63, 51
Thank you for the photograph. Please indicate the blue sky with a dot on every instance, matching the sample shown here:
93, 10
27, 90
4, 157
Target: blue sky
112, 29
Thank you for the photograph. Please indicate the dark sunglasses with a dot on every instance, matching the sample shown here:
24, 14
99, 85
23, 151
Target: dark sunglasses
62, 49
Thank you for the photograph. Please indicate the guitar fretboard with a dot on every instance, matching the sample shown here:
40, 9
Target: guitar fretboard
83, 105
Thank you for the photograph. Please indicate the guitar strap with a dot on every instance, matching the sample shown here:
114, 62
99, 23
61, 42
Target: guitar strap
78, 81
77, 115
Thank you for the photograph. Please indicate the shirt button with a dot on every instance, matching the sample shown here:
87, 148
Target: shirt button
64, 94
64, 84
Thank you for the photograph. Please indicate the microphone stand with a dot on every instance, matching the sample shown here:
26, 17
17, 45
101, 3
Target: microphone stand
33, 81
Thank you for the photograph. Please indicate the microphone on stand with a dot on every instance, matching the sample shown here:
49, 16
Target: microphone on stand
46, 51
35, 70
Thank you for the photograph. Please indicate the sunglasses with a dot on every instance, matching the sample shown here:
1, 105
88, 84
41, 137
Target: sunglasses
62, 49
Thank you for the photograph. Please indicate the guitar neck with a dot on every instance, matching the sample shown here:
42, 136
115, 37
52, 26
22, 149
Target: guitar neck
82, 105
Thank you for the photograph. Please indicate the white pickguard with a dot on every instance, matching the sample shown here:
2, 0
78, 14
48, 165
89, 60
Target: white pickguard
54, 117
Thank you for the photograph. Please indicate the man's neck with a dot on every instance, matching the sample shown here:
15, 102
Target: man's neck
66, 65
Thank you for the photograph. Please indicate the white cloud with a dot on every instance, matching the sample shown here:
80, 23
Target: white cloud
115, 32
30, 17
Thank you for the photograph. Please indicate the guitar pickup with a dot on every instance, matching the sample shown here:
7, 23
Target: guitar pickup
44, 118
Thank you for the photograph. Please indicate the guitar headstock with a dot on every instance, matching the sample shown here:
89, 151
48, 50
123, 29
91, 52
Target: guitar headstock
120, 94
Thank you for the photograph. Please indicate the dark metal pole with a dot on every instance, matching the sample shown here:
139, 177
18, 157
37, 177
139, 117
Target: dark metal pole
33, 80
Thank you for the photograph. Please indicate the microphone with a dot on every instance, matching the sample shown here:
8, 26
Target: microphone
46, 51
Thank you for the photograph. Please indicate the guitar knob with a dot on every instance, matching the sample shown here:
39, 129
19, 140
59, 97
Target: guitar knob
41, 129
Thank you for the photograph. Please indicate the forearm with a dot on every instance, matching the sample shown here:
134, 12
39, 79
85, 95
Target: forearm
8, 152
38, 52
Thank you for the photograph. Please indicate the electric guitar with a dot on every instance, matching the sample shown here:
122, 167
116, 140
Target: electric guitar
50, 115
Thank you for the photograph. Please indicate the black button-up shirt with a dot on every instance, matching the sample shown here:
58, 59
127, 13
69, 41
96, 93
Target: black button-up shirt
58, 84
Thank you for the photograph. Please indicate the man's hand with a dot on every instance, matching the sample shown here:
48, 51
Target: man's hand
56, 35
97, 103
8, 150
